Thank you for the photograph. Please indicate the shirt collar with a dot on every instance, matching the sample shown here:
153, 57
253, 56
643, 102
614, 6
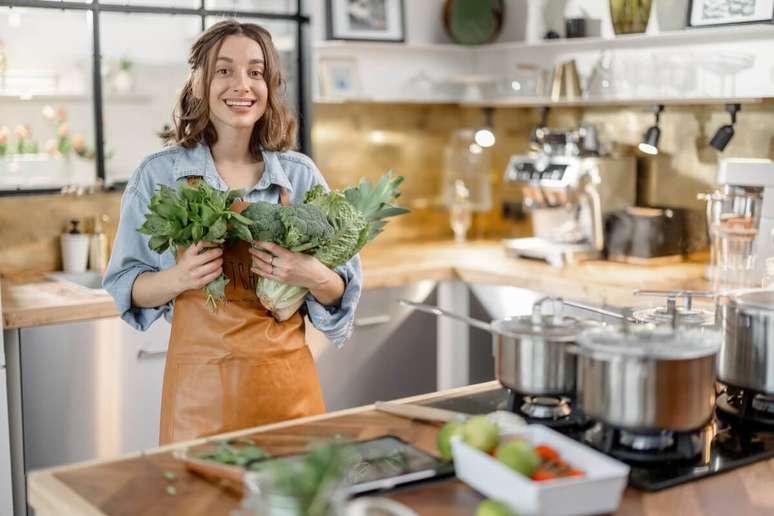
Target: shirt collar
198, 161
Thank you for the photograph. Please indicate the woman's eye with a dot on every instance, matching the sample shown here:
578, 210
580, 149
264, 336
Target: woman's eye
221, 71
256, 73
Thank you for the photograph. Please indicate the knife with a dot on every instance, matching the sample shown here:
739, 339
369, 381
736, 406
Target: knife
419, 412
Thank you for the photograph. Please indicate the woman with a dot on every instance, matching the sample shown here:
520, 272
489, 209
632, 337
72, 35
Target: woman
236, 367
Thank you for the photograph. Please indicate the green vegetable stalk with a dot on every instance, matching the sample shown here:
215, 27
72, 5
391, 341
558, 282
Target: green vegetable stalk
193, 214
332, 226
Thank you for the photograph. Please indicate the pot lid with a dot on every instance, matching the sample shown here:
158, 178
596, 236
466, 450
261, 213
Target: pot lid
547, 326
762, 299
651, 342
663, 315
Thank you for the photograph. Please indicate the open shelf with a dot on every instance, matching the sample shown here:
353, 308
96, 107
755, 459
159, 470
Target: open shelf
73, 97
591, 102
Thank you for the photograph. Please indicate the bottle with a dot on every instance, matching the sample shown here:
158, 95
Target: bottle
75, 249
98, 246
768, 279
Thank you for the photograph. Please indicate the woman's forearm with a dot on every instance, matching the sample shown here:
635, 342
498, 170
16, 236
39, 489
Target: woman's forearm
154, 289
330, 289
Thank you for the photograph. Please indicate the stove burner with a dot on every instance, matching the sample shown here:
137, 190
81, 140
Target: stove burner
557, 412
645, 448
746, 409
544, 407
647, 442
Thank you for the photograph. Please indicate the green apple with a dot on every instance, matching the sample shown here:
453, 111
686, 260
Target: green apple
491, 507
480, 432
443, 439
518, 455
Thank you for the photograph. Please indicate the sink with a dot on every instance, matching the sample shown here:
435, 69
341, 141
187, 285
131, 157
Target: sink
89, 279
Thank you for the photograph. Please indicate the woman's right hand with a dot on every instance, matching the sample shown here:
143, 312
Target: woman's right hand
197, 265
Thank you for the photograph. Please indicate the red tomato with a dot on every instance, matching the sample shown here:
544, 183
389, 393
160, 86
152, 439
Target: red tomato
542, 474
575, 473
546, 452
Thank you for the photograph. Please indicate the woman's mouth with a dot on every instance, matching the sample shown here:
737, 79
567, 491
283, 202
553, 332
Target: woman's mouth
239, 105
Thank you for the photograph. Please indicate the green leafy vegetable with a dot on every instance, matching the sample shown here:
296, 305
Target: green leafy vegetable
193, 214
333, 226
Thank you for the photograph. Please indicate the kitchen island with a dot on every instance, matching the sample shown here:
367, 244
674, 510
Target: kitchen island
136, 483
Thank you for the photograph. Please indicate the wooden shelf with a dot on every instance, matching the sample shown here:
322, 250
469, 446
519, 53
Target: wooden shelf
597, 102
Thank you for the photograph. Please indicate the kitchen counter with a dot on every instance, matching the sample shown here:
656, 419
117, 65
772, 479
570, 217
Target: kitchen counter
33, 301
136, 485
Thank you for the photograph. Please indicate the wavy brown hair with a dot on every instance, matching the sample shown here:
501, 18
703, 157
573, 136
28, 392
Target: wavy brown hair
274, 131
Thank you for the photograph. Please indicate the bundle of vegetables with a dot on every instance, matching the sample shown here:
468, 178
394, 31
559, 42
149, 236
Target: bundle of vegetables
332, 226
195, 213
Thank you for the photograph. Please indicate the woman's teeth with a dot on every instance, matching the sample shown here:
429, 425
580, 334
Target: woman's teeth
239, 103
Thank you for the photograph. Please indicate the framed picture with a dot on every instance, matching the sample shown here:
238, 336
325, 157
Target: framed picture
704, 13
366, 20
339, 78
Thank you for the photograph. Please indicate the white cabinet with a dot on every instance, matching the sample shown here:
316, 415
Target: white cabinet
90, 390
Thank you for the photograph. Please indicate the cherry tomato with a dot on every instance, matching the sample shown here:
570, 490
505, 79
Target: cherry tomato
542, 474
546, 452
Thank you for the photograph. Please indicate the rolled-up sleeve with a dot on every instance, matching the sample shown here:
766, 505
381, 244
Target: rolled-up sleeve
337, 322
130, 257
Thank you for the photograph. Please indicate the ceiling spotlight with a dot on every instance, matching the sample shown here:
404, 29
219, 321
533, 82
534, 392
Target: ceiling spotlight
485, 137
726, 132
649, 143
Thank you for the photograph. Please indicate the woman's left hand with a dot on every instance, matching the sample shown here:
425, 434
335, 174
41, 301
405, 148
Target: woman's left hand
294, 269
297, 270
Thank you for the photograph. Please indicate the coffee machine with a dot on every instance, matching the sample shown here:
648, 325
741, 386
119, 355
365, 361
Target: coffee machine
746, 189
568, 196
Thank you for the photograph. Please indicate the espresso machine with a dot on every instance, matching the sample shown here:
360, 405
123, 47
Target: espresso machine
568, 195
742, 211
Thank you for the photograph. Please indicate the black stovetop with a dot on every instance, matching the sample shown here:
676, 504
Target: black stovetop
724, 446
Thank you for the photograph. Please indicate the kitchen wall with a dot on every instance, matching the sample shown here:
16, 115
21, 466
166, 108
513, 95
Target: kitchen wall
365, 140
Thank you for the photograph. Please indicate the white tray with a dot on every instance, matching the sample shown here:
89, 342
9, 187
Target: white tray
599, 491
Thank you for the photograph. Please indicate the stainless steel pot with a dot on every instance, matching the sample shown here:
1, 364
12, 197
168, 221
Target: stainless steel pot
747, 354
648, 378
531, 352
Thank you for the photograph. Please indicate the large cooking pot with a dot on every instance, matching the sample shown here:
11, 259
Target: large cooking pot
643, 377
531, 352
747, 354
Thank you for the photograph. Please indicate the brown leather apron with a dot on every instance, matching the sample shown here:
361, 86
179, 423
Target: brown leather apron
236, 367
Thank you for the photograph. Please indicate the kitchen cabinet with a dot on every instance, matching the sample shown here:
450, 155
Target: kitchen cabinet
90, 390
392, 352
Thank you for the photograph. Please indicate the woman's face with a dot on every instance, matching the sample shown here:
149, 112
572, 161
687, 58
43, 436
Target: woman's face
238, 91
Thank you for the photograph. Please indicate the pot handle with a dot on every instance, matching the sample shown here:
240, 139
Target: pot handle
556, 310
600, 311
445, 313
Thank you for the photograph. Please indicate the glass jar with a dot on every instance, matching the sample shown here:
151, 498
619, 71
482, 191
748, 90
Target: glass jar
630, 16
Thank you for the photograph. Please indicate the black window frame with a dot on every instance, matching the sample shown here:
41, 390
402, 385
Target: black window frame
96, 8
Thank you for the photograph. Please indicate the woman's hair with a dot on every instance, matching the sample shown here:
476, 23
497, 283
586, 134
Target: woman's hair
274, 131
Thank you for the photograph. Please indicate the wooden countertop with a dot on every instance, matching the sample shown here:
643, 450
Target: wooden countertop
136, 485
35, 301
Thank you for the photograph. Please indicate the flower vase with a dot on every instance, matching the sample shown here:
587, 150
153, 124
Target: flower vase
630, 16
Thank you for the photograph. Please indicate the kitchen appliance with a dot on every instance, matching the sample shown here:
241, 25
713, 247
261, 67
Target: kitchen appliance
724, 443
568, 197
648, 236
740, 222
530, 351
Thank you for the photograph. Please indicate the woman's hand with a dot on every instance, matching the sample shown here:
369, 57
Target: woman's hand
195, 268
297, 270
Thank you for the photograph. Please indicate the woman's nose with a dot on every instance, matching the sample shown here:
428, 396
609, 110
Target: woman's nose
241, 82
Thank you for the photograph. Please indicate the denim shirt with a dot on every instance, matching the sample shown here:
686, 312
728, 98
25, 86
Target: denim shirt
131, 255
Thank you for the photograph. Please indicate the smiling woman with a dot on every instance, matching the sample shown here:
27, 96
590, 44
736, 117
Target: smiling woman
238, 366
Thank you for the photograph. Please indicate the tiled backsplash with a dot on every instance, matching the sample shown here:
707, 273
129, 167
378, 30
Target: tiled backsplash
365, 140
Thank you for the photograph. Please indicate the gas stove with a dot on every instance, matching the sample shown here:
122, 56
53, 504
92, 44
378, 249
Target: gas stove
740, 433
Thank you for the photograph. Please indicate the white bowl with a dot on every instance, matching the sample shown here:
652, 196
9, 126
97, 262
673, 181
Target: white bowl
598, 491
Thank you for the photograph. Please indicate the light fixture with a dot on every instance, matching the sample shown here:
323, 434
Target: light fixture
485, 137
649, 143
726, 132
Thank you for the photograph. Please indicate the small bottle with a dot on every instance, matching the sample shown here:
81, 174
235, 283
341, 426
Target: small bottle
768, 279
98, 247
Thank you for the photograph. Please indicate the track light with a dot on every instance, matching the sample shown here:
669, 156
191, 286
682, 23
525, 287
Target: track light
649, 143
726, 132
485, 137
